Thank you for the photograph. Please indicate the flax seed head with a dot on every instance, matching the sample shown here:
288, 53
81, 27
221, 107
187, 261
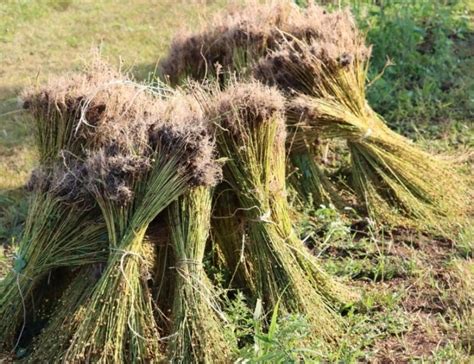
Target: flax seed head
244, 106
237, 38
183, 131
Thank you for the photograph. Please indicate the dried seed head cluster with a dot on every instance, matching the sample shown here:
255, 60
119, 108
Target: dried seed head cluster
238, 38
65, 184
39, 180
242, 106
90, 109
183, 131
302, 67
300, 108
112, 175
116, 126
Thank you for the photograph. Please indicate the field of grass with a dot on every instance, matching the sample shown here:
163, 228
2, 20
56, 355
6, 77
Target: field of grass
418, 290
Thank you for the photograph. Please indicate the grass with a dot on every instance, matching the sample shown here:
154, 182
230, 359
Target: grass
417, 289
430, 46
417, 294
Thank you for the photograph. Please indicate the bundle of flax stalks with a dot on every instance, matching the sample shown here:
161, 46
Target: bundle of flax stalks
63, 227
121, 161
57, 234
250, 134
198, 321
234, 39
198, 330
129, 155
319, 60
397, 182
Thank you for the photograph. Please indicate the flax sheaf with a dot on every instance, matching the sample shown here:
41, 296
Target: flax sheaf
201, 331
72, 116
397, 182
137, 188
64, 227
250, 133
234, 39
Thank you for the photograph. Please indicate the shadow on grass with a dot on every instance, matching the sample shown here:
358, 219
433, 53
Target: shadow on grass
15, 125
145, 72
16, 135
13, 210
